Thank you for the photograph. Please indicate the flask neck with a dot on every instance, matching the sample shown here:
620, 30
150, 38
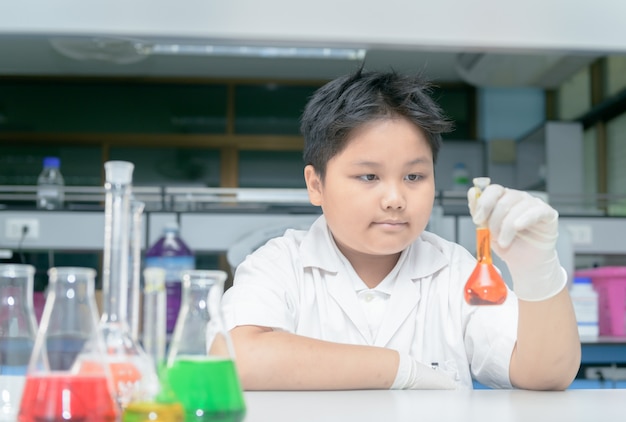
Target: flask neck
483, 245
200, 299
71, 301
16, 296
16, 292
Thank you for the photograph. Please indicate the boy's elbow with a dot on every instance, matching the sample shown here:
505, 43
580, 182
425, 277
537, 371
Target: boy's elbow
557, 376
248, 357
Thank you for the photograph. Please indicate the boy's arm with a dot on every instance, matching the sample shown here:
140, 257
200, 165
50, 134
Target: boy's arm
547, 352
524, 232
277, 360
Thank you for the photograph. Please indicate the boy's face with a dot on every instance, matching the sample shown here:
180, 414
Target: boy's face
378, 192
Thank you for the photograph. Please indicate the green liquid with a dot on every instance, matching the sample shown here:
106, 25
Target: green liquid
208, 389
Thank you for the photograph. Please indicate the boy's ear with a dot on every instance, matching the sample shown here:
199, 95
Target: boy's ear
313, 185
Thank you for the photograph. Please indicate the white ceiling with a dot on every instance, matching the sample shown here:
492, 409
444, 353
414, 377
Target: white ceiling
40, 55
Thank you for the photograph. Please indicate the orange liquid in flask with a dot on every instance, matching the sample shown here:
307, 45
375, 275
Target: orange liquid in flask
485, 286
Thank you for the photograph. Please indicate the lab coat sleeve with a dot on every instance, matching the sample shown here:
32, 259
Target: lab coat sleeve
262, 292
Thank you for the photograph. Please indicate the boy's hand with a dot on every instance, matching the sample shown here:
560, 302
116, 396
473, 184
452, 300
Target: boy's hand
413, 375
524, 230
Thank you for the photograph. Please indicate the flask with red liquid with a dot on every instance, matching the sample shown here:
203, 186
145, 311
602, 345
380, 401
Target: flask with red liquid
67, 377
485, 286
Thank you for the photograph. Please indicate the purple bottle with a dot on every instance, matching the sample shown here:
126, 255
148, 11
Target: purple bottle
172, 254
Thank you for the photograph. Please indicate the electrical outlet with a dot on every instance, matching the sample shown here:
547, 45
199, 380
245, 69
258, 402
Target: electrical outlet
15, 227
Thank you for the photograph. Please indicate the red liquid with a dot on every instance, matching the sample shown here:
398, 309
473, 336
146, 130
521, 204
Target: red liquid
485, 286
481, 288
67, 398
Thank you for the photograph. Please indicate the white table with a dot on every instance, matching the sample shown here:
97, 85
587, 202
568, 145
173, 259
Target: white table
440, 406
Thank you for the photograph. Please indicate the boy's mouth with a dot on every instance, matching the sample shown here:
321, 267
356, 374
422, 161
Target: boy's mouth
391, 224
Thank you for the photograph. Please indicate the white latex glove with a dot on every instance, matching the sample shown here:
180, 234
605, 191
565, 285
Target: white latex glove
413, 375
524, 230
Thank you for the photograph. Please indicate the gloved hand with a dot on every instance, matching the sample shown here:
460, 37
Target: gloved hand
413, 375
524, 230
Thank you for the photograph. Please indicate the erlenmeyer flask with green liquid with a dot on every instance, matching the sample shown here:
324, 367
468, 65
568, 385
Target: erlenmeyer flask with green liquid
200, 367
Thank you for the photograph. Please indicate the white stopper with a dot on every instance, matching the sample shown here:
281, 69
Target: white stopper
119, 172
481, 182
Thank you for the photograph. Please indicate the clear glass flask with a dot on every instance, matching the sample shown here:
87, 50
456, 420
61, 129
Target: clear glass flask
164, 406
485, 285
68, 378
200, 364
18, 328
133, 374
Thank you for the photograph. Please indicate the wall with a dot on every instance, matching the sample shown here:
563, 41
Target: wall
508, 114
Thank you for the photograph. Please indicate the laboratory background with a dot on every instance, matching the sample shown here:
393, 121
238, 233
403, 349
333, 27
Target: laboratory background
204, 98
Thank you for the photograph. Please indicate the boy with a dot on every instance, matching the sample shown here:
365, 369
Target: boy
366, 299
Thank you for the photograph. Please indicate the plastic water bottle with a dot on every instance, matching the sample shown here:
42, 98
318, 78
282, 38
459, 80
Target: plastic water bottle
585, 300
50, 185
172, 254
460, 177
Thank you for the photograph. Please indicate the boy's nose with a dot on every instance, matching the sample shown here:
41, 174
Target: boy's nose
393, 198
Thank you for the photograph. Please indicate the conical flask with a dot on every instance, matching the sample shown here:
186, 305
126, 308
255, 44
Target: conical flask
200, 365
132, 373
68, 378
18, 328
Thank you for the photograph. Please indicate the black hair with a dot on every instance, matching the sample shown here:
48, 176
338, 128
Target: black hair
350, 101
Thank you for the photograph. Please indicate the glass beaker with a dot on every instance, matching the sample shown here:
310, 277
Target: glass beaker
200, 365
68, 378
132, 372
18, 328
485, 285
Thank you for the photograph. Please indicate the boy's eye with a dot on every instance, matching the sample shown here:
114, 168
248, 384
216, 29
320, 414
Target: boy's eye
368, 177
413, 177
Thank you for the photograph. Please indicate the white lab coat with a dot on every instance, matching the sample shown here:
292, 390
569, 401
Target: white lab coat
300, 283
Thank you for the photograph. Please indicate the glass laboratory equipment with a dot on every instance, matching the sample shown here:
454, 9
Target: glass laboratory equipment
164, 406
200, 365
68, 378
132, 373
134, 277
18, 328
485, 286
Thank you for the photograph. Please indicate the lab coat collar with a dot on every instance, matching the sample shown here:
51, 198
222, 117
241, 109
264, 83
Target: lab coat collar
421, 259
318, 248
